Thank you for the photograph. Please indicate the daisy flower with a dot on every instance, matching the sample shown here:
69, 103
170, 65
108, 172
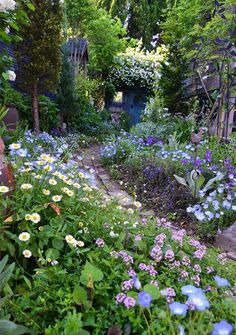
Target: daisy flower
24, 236
27, 253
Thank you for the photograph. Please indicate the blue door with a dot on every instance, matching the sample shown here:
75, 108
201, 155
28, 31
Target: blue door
135, 104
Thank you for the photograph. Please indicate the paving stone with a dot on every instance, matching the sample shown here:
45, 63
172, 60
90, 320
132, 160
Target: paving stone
104, 176
227, 239
231, 255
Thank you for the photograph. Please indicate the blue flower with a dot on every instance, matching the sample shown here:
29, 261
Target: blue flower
190, 289
136, 283
144, 299
176, 308
221, 281
199, 300
181, 330
222, 328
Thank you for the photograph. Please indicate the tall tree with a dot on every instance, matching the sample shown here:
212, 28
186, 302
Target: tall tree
38, 54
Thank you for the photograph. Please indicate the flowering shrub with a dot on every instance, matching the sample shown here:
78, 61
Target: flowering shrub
87, 265
136, 67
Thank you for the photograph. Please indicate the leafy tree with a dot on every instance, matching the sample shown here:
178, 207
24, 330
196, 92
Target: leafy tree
140, 16
38, 54
105, 35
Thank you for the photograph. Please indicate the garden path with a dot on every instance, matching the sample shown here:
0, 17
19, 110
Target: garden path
90, 160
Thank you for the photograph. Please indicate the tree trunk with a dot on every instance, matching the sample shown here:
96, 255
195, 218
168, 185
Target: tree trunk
35, 108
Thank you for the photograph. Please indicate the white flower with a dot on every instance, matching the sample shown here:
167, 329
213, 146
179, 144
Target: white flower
35, 217
46, 192
70, 239
14, 146
28, 217
56, 198
27, 253
137, 204
79, 243
11, 75
24, 236
6, 5
4, 189
52, 182
26, 186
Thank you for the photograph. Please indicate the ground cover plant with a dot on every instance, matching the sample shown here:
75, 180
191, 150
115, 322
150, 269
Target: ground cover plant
183, 180
86, 264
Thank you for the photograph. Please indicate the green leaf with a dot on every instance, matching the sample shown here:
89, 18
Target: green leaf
14, 25
31, 6
58, 244
212, 180
5, 276
79, 295
152, 290
10, 328
181, 180
133, 295
3, 262
52, 254
90, 274
27, 281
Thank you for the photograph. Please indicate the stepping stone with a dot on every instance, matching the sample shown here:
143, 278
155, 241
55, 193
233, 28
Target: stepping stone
104, 176
227, 239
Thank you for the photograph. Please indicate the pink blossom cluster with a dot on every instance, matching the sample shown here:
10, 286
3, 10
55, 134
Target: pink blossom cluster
100, 242
222, 258
156, 253
148, 268
127, 301
127, 259
127, 285
178, 236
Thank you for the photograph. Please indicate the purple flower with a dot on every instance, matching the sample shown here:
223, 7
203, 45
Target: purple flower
120, 297
222, 328
176, 308
199, 300
208, 156
221, 281
144, 299
190, 289
129, 302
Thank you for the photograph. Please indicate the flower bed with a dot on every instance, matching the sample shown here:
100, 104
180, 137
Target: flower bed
86, 265
158, 170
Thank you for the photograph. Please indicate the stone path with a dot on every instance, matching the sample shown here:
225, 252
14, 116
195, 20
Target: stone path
90, 160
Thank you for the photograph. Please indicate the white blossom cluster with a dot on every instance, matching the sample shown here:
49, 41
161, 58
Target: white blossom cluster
136, 67
6, 5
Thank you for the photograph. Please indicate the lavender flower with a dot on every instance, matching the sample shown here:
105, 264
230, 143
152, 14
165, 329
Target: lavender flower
144, 299
222, 328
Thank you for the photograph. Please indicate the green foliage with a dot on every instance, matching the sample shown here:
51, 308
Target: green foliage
147, 129
66, 98
170, 85
38, 53
105, 35
140, 17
